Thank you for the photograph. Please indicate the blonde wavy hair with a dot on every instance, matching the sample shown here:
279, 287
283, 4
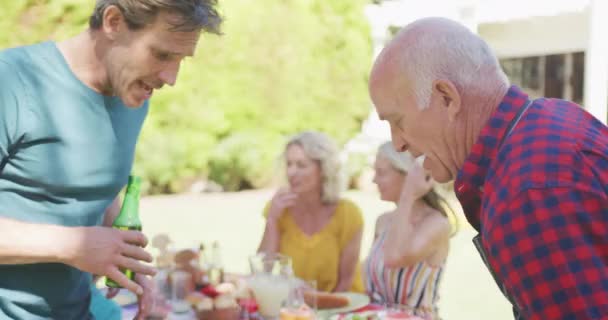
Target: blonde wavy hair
321, 148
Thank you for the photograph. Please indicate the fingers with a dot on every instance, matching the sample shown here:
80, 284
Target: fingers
419, 172
122, 280
287, 202
134, 237
136, 266
145, 301
145, 282
287, 198
282, 201
136, 253
112, 292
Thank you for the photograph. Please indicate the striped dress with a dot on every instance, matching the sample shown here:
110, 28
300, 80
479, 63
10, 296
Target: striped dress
415, 286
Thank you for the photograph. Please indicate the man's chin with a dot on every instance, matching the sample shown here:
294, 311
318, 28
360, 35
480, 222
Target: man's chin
441, 177
132, 102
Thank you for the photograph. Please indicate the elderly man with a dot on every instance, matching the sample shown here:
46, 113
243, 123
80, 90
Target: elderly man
70, 116
531, 175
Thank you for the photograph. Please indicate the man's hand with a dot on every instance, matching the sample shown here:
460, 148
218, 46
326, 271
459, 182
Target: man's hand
145, 300
103, 251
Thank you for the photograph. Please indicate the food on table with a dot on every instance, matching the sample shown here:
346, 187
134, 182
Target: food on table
226, 288
187, 260
205, 304
302, 313
185, 257
325, 300
379, 315
225, 301
210, 291
215, 303
242, 289
195, 297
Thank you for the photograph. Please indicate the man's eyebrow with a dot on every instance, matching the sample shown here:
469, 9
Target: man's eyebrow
167, 51
158, 49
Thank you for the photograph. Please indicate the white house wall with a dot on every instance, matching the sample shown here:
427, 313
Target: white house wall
538, 36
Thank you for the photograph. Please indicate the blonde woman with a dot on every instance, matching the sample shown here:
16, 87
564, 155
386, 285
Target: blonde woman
420, 226
308, 220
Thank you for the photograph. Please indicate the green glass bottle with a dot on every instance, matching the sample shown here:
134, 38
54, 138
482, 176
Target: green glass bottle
128, 219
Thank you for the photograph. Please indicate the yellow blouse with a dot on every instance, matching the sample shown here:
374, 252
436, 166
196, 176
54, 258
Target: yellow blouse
317, 257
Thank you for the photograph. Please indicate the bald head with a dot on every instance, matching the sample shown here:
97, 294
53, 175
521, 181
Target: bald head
437, 48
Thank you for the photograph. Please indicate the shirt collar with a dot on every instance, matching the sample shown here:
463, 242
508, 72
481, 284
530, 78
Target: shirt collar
471, 177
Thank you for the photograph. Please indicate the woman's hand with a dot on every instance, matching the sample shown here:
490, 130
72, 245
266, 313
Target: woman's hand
417, 183
282, 200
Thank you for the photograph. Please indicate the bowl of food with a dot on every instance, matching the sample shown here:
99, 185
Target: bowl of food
221, 305
232, 313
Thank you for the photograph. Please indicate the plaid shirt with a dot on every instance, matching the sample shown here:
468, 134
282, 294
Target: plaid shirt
540, 203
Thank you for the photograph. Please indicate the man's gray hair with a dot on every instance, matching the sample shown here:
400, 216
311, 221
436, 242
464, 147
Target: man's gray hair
451, 53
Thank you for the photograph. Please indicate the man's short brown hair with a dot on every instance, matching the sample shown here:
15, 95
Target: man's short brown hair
192, 14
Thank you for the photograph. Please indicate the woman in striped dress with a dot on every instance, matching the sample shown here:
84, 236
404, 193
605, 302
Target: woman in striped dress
411, 274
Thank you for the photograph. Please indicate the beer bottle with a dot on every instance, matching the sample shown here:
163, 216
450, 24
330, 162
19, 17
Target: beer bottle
128, 219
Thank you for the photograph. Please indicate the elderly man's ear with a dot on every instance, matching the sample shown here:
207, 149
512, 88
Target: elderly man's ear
449, 97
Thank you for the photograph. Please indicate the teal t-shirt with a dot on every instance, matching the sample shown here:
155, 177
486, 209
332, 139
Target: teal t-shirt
65, 153
102, 308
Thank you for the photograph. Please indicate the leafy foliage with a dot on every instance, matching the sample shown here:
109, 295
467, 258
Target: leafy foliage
282, 66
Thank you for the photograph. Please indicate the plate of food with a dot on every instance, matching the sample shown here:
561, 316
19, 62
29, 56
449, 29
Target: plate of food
339, 302
365, 315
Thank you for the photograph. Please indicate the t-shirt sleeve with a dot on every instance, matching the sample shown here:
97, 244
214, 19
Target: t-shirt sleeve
265, 210
352, 221
10, 91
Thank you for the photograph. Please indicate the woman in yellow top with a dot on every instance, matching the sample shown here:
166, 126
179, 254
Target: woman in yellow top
310, 223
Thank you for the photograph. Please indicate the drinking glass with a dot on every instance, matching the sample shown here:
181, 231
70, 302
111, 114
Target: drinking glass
270, 281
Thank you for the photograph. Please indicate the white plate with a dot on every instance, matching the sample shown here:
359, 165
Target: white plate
356, 301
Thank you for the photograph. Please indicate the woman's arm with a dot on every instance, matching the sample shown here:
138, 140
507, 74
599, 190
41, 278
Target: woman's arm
407, 245
381, 224
282, 200
271, 238
349, 259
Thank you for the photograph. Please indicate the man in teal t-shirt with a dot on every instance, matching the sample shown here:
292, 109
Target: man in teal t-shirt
70, 116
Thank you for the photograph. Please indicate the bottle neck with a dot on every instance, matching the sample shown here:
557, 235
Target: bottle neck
129, 213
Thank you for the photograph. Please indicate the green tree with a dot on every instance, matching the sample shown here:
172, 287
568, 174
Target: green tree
282, 66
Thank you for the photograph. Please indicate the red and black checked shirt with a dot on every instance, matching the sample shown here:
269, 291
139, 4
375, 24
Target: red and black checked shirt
540, 203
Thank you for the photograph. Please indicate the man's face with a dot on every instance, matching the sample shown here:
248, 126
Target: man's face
140, 61
421, 131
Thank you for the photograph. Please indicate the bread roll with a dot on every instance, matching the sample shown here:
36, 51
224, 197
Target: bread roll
226, 288
183, 257
325, 300
224, 301
205, 304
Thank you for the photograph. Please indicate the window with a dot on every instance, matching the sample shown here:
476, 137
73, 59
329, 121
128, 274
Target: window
554, 76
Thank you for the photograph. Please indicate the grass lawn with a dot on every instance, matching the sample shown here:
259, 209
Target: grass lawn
234, 219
